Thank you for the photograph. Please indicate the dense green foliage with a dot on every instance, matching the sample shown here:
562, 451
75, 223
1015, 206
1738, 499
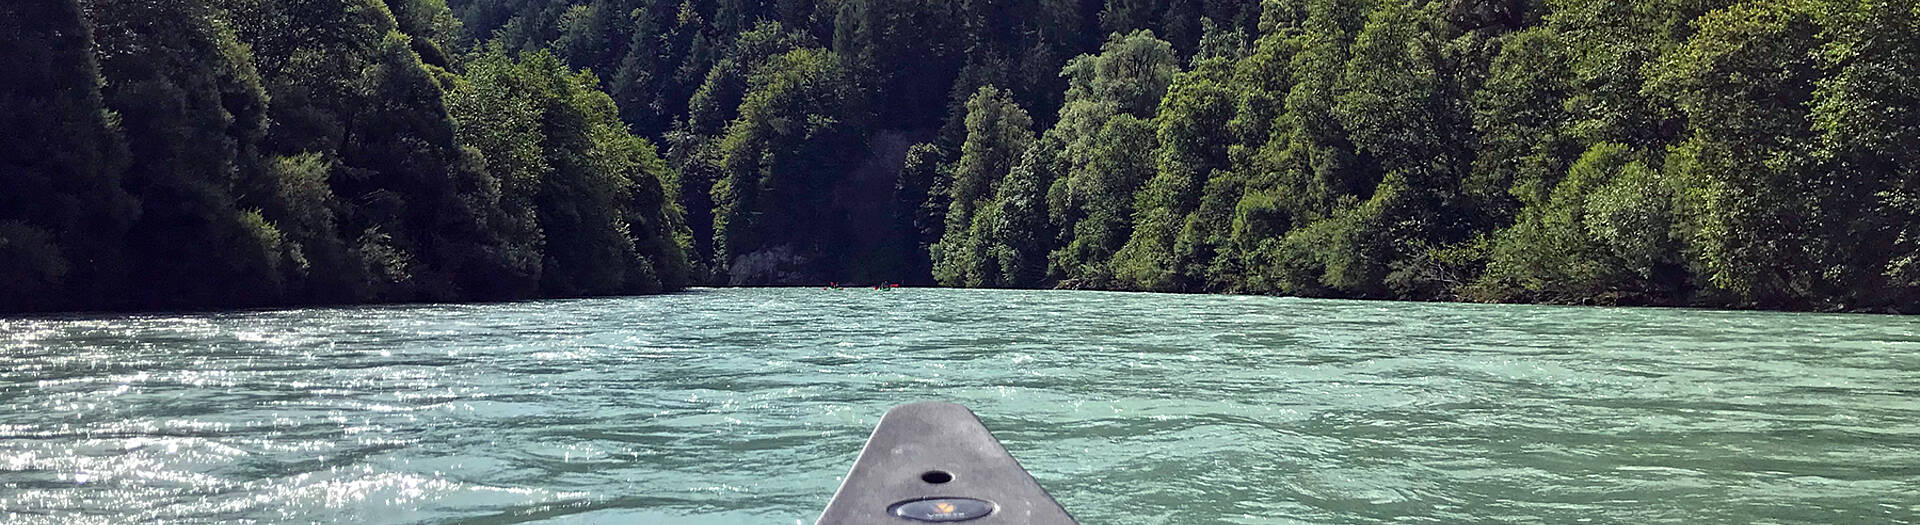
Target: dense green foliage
202, 153
1756, 153
62, 207
997, 131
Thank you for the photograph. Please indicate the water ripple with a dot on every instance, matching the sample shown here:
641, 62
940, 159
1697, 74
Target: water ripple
746, 406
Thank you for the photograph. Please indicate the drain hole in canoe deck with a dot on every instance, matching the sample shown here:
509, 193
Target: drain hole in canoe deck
936, 476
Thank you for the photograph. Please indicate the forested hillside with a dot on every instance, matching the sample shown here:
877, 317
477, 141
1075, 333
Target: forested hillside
1750, 154
220, 153
1755, 154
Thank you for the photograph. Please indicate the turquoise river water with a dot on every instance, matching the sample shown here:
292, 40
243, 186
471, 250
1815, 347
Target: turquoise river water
747, 406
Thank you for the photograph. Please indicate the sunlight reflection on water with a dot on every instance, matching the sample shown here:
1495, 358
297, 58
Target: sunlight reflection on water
746, 406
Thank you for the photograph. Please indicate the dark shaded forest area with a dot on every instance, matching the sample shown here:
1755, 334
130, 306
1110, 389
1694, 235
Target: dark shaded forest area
196, 153
190, 153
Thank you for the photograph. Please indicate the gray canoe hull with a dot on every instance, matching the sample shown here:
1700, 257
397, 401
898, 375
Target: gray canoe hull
936, 463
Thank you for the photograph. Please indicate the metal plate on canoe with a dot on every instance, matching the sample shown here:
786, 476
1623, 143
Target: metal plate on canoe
940, 510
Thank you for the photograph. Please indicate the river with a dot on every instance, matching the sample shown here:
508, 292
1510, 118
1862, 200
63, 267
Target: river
747, 406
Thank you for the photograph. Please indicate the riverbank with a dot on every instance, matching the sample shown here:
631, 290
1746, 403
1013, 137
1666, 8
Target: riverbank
851, 288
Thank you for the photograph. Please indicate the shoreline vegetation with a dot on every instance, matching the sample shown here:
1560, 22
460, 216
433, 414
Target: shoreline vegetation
220, 310
205, 154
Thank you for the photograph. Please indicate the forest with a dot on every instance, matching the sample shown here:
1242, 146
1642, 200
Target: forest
169, 154
223, 153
